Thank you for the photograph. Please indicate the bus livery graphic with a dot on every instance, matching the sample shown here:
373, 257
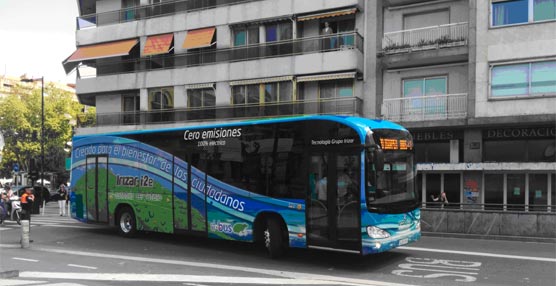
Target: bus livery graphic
314, 180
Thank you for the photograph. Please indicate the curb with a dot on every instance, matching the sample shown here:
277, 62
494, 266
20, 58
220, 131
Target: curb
490, 237
9, 274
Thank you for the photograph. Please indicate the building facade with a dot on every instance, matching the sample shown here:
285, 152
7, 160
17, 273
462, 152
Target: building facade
473, 80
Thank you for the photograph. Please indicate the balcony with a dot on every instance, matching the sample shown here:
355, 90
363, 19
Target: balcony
309, 45
424, 108
436, 37
345, 106
150, 11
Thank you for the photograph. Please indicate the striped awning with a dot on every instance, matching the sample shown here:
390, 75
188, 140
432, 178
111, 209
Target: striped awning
159, 44
200, 86
261, 80
320, 77
104, 50
327, 14
199, 38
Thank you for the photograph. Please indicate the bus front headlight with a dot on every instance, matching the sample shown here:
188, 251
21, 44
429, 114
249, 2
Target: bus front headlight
375, 232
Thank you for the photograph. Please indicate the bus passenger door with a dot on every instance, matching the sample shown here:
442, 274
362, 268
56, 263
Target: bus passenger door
333, 206
96, 198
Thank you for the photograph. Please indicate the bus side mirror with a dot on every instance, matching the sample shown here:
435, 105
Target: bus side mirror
379, 160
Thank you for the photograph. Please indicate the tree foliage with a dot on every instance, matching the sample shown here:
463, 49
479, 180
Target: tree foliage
20, 124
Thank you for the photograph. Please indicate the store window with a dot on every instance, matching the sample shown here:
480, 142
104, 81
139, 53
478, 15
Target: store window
526, 79
553, 195
494, 191
522, 11
515, 191
540, 150
452, 188
538, 192
433, 189
432, 152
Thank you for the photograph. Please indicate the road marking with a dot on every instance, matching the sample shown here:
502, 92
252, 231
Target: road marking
82, 266
430, 268
136, 277
278, 273
25, 259
10, 282
544, 259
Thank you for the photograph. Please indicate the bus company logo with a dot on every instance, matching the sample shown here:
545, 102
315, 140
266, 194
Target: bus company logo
239, 229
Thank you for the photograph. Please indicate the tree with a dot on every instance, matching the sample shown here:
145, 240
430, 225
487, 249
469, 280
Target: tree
20, 124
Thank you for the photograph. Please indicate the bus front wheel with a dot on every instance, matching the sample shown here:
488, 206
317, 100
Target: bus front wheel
126, 222
273, 238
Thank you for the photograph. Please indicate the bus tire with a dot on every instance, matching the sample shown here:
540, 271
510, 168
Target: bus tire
126, 224
273, 239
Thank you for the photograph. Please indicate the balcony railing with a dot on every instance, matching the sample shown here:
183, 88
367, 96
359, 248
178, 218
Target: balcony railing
343, 41
432, 107
150, 11
442, 36
346, 106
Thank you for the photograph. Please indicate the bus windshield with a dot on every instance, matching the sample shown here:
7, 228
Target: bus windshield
392, 189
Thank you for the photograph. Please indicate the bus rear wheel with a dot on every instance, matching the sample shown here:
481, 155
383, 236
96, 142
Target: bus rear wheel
273, 239
126, 223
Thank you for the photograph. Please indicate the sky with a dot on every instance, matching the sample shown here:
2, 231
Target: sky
36, 36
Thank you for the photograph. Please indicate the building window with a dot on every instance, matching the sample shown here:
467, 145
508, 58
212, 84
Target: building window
278, 31
425, 86
245, 36
538, 192
335, 89
202, 101
494, 191
160, 100
260, 94
522, 11
198, 98
527, 79
540, 150
130, 108
432, 152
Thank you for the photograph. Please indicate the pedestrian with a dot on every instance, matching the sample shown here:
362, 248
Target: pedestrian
442, 198
27, 200
62, 199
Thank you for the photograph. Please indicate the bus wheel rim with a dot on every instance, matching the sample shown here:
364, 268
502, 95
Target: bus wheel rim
267, 238
125, 222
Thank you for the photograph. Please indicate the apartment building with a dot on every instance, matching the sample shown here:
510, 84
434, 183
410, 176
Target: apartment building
473, 80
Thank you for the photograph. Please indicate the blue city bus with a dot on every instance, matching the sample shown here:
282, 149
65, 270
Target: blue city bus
326, 182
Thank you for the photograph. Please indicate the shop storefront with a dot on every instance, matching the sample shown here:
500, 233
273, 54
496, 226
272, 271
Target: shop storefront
517, 171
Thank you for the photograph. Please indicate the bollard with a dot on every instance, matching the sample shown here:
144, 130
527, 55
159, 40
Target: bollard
69, 208
25, 225
43, 206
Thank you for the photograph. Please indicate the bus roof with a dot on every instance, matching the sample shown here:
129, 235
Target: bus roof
360, 124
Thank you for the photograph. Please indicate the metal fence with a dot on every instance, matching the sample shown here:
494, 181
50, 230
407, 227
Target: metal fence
441, 36
490, 207
336, 42
432, 107
346, 106
150, 11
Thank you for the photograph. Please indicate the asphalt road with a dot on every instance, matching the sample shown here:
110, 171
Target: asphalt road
66, 252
